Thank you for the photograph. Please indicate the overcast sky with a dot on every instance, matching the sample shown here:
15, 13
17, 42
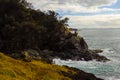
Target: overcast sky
84, 13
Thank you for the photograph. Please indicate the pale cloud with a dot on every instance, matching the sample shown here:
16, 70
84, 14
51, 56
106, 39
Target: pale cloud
83, 6
95, 21
71, 5
96, 3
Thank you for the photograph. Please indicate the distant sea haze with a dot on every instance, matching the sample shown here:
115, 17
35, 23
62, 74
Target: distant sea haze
109, 41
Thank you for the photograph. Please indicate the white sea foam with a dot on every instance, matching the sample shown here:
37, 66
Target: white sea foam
111, 78
109, 70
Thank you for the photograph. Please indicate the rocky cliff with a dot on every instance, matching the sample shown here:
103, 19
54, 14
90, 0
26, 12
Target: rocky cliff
72, 46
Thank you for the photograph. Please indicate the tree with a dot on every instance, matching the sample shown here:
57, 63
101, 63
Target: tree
22, 27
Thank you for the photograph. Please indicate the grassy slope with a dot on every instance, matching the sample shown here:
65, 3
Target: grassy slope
11, 69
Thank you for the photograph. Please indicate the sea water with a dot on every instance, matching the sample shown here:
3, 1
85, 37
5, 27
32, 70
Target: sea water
109, 41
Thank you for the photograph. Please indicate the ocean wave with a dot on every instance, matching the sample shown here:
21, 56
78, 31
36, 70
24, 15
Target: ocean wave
112, 78
108, 71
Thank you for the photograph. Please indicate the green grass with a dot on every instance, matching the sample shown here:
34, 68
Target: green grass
12, 69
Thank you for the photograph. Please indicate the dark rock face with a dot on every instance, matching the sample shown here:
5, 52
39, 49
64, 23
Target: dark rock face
86, 55
74, 48
80, 75
73, 42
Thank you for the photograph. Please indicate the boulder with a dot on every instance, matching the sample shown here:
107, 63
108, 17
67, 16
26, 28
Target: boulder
30, 55
26, 56
97, 51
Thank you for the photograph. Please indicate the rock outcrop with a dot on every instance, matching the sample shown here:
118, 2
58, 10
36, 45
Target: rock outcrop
29, 55
73, 47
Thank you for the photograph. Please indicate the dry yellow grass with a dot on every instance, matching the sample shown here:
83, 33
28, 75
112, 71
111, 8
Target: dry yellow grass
12, 69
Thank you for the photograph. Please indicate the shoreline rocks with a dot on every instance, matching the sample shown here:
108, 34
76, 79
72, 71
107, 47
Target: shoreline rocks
48, 56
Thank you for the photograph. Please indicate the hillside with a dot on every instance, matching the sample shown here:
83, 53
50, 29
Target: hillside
12, 69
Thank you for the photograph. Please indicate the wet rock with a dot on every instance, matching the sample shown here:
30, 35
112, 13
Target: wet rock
75, 54
97, 51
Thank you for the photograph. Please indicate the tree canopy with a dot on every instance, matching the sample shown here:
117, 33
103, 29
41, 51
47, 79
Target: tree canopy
22, 27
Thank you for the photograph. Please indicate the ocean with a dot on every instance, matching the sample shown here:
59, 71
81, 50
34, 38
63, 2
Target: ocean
109, 41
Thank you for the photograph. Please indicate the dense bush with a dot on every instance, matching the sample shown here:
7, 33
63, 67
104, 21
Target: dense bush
22, 27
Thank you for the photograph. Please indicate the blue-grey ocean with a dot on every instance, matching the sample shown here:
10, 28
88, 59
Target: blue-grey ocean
109, 41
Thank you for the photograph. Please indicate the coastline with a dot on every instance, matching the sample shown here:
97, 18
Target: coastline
33, 38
